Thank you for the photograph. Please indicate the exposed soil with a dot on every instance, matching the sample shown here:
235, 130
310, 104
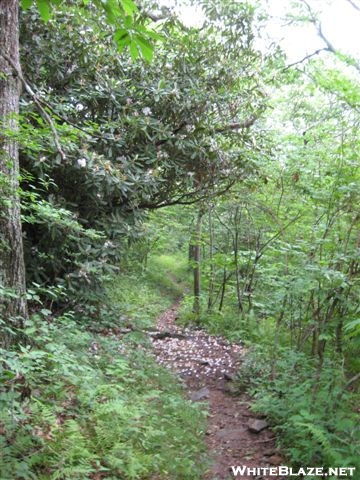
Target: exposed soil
207, 364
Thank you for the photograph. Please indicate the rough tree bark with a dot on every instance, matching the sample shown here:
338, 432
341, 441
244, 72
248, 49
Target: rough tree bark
13, 307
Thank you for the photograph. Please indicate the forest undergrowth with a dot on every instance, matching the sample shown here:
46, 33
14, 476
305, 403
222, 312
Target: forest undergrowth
309, 406
85, 400
91, 403
312, 410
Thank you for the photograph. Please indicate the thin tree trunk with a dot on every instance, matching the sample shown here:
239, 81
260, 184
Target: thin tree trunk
13, 306
211, 260
275, 352
197, 263
236, 259
223, 286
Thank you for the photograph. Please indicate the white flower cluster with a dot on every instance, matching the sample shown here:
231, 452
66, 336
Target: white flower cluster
109, 244
146, 111
81, 162
161, 155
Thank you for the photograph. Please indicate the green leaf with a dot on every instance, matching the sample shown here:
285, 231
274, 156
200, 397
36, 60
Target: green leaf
145, 47
44, 9
30, 330
111, 9
8, 374
129, 7
325, 336
154, 35
128, 22
25, 4
134, 51
353, 325
121, 38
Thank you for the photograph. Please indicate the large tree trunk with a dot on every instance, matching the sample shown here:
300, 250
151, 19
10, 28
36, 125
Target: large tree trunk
13, 306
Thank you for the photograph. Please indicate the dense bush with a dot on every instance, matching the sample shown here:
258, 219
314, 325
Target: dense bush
133, 136
310, 408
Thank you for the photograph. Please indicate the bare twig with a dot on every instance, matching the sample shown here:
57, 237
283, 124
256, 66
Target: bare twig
352, 380
69, 122
226, 128
329, 46
280, 232
265, 440
353, 4
348, 384
306, 58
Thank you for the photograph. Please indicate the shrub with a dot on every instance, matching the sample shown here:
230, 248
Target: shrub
315, 418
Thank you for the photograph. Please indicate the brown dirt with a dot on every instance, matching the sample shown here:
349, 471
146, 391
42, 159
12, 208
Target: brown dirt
207, 364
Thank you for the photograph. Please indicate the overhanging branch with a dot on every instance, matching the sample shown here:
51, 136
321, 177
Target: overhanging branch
226, 128
185, 200
329, 46
238, 126
37, 102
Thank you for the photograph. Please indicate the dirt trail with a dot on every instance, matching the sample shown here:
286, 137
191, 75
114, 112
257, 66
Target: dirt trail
207, 365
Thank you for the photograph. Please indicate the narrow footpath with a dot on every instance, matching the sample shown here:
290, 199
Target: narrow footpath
207, 364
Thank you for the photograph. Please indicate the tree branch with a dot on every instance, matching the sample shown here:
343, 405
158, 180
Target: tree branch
329, 46
318, 26
166, 13
280, 232
226, 128
348, 384
352, 380
238, 126
181, 200
307, 57
67, 121
174, 132
37, 102
353, 4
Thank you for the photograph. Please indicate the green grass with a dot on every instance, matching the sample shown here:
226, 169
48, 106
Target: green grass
143, 295
170, 273
137, 299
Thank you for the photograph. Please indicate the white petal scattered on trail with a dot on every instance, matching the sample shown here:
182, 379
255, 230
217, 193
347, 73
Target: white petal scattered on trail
193, 352
208, 365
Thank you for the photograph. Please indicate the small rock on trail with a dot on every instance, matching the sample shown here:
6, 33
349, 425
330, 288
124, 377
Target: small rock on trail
257, 426
199, 395
207, 364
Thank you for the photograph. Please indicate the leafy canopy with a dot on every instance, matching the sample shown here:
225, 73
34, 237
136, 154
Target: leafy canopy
130, 28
